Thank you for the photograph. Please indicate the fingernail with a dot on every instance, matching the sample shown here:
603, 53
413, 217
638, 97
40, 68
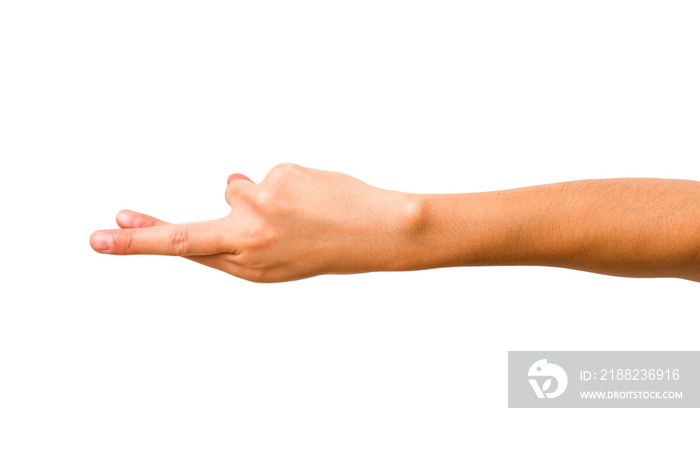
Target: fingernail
237, 176
127, 218
101, 241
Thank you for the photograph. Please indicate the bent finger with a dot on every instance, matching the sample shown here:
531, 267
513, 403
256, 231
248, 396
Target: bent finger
238, 186
238, 176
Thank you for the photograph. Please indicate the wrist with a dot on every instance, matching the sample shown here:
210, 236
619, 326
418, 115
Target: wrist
387, 238
446, 230
408, 232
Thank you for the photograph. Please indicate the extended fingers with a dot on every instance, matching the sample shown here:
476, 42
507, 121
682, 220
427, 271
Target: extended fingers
185, 239
131, 219
204, 242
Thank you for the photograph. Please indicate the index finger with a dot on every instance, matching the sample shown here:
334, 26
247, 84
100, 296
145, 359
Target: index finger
185, 239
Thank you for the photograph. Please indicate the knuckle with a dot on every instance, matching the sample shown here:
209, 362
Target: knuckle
267, 201
125, 242
180, 241
285, 167
283, 171
264, 197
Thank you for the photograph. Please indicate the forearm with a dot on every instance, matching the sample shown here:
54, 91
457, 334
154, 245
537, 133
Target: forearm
628, 227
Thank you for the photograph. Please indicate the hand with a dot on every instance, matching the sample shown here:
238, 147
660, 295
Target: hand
296, 223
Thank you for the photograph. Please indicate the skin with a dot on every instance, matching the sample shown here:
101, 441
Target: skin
300, 222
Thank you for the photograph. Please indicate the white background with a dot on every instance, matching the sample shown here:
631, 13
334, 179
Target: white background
150, 105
